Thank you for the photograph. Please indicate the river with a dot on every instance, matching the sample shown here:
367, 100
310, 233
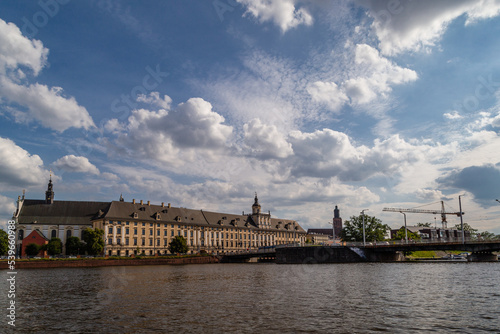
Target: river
259, 298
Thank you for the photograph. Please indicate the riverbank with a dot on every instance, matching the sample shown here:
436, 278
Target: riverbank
106, 262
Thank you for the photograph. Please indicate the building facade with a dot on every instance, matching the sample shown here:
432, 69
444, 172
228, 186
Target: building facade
145, 228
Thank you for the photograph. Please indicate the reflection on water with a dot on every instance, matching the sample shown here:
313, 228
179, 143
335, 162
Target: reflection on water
259, 298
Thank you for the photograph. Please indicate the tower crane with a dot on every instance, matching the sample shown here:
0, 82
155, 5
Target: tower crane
442, 212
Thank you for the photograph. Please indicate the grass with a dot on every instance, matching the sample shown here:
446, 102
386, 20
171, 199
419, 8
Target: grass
423, 254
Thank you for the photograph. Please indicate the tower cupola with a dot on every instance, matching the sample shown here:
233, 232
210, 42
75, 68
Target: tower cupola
256, 206
49, 194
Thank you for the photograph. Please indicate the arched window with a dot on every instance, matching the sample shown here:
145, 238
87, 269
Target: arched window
53, 234
68, 234
21, 234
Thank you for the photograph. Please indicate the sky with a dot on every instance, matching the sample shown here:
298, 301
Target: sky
311, 104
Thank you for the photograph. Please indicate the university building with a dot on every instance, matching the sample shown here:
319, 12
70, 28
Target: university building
139, 227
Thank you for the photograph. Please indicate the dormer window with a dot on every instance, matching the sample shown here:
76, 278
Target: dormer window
136, 215
157, 216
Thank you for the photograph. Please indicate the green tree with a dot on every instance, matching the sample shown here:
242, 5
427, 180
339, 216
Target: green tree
74, 246
467, 227
178, 245
400, 235
4, 242
424, 224
353, 229
54, 247
94, 240
486, 235
32, 249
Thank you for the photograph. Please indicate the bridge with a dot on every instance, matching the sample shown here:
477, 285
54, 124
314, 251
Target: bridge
359, 252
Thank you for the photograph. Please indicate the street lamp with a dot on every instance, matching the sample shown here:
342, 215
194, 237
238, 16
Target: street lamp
364, 237
406, 230
497, 201
461, 218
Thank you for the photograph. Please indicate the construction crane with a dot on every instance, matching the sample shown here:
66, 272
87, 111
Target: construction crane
442, 212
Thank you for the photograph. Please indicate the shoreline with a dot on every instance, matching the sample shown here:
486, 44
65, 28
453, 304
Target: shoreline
103, 262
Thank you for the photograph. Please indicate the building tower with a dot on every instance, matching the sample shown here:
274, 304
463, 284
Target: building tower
49, 194
256, 206
337, 222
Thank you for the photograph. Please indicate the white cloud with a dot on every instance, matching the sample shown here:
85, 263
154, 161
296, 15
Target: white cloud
376, 75
7, 206
418, 25
329, 94
18, 167
74, 164
39, 102
266, 141
154, 99
452, 115
173, 136
16, 50
282, 13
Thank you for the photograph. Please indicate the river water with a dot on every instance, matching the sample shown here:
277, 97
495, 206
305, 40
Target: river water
259, 298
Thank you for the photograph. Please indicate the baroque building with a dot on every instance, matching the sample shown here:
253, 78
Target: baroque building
139, 227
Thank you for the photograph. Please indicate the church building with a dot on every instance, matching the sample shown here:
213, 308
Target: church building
139, 227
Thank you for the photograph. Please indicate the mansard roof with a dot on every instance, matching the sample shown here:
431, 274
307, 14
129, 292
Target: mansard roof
61, 212
124, 211
326, 231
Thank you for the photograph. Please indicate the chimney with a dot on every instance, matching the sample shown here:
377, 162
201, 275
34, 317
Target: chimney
162, 204
133, 201
149, 203
168, 205
141, 201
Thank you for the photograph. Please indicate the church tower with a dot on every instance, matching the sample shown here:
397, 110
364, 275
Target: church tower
49, 194
337, 222
256, 206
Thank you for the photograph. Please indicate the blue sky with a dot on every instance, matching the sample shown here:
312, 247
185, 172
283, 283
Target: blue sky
311, 104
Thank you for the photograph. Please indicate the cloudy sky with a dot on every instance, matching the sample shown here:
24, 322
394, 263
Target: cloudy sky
311, 104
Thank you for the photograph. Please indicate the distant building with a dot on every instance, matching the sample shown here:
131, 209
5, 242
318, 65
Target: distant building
434, 234
145, 228
323, 235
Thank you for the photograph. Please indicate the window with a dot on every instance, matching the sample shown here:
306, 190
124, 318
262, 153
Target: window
127, 230
143, 224
150, 232
110, 241
135, 241
110, 230
53, 234
135, 223
151, 242
21, 234
68, 234
126, 241
179, 233
172, 234
118, 241
119, 230
135, 231
158, 232
185, 234
157, 242
165, 233
143, 232
144, 242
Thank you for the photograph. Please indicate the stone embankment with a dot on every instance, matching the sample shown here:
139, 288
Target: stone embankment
83, 263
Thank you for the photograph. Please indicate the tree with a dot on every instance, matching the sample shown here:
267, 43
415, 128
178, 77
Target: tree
485, 235
4, 242
467, 227
32, 249
74, 246
424, 224
54, 247
94, 240
400, 235
353, 229
178, 245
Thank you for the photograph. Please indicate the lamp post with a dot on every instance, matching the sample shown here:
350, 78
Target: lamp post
406, 230
497, 201
461, 218
364, 237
